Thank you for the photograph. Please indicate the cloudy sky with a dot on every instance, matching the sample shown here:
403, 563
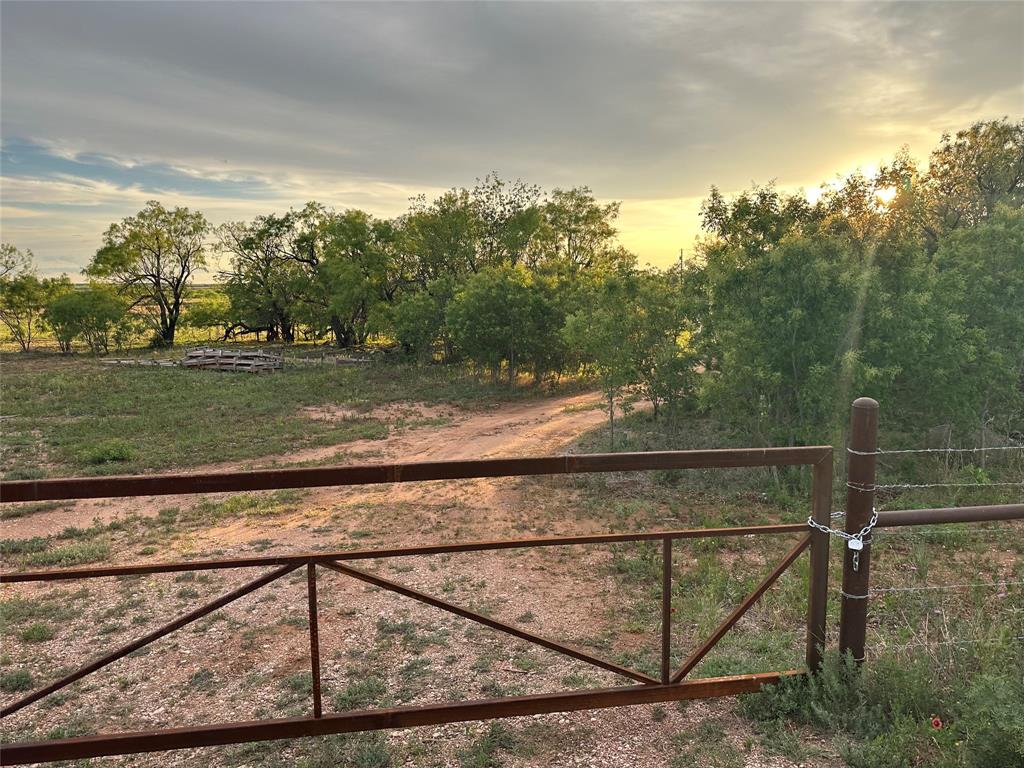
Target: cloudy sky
240, 109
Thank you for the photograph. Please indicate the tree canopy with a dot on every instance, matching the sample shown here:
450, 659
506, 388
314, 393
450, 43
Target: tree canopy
905, 284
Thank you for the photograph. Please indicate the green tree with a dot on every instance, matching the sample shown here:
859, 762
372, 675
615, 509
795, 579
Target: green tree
417, 319
22, 300
23, 296
152, 257
510, 219
265, 277
974, 171
210, 308
442, 239
633, 331
594, 334
357, 272
502, 316
14, 261
981, 277
92, 314
577, 228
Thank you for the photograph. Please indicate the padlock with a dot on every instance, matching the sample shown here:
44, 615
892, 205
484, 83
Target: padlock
855, 544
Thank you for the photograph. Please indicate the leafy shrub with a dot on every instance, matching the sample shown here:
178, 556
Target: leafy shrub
882, 713
108, 452
24, 473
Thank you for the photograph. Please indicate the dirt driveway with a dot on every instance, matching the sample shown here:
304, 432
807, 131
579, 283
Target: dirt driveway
530, 428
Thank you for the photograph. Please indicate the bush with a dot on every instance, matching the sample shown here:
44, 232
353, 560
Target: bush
108, 452
78, 553
24, 473
92, 314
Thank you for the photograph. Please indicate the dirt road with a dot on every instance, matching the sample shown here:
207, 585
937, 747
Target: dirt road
529, 428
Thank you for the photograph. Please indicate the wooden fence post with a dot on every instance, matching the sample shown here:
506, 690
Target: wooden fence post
860, 498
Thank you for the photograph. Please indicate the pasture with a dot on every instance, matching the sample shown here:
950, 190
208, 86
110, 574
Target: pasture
933, 653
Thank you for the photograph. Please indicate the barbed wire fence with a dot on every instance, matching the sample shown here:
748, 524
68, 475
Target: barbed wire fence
931, 625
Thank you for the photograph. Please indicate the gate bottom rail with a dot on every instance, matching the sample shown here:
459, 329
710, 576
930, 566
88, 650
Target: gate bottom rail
378, 719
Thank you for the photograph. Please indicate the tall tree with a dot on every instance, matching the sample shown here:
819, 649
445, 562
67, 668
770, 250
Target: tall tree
265, 278
14, 261
974, 171
510, 218
502, 316
153, 257
980, 277
442, 238
356, 271
577, 228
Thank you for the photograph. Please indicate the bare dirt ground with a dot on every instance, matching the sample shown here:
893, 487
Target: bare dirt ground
249, 658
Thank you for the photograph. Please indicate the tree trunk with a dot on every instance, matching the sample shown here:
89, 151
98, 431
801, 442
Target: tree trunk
341, 336
287, 331
611, 422
167, 333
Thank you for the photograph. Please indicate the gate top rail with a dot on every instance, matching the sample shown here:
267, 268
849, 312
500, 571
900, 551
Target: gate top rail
58, 489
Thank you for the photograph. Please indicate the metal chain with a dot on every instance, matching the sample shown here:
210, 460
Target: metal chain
849, 538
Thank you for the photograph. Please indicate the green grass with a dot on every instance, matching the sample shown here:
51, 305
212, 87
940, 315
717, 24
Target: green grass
361, 750
161, 418
78, 553
484, 751
705, 747
15, 680
56, 606
364, 691
37, 633
906, 711
22, 546
14, 511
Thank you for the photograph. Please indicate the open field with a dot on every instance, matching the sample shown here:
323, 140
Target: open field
945, 653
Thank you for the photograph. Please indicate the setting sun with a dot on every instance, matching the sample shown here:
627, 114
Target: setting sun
885, 195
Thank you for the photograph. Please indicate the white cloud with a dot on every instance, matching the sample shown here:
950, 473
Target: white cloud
367, 104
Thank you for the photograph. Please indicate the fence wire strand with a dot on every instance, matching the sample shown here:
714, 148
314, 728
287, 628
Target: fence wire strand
884, 452
938, 587
931, 643
895, 486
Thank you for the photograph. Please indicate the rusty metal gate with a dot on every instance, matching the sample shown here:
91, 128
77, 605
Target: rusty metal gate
670, 685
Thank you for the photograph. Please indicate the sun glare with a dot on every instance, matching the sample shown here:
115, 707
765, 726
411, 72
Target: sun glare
885, 195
